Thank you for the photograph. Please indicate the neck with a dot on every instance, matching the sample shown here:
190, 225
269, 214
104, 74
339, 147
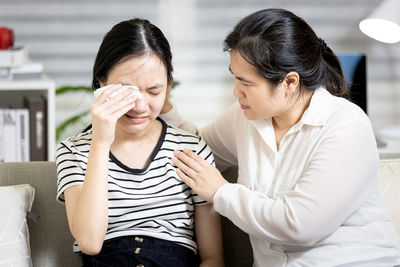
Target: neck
286, 120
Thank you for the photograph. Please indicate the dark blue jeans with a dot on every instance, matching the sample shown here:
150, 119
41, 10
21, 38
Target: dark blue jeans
144, 251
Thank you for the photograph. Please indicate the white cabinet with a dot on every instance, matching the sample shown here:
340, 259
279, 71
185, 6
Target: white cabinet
12, 95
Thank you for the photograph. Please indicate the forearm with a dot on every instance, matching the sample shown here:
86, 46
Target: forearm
90, 215
209, 236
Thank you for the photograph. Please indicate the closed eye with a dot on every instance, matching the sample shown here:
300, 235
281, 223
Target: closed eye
154, 92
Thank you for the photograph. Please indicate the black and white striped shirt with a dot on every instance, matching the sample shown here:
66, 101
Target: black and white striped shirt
152, 201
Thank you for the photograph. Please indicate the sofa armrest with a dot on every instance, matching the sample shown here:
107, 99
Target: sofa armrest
50, 238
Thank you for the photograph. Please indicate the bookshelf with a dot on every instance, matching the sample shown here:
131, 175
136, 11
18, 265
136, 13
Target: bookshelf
12, 95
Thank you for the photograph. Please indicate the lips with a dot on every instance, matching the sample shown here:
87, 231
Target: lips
136, 119
244, 106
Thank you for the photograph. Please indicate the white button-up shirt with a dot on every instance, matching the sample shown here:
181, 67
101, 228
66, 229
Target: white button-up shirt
313, 202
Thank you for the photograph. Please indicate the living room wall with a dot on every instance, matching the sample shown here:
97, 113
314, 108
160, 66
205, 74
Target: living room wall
65, 36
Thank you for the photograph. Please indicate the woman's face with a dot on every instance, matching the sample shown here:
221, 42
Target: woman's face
150, 75
258, 98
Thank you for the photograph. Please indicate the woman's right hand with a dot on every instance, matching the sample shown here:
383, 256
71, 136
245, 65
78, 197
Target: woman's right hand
106, 111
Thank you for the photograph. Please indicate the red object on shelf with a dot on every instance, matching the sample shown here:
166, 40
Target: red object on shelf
6, 38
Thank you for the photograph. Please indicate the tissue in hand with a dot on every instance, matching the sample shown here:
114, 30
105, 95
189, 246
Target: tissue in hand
136, 91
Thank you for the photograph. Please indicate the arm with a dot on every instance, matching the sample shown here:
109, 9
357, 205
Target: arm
209, 237
335, 183
87, 204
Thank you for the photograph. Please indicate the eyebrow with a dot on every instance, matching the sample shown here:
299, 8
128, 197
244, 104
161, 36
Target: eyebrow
238, 77
156, 86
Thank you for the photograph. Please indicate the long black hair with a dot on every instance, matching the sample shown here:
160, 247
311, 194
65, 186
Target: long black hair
276, 42
128, 39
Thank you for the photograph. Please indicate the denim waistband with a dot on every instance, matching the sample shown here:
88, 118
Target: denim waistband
140, 241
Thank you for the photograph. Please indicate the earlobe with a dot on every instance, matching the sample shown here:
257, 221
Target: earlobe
102, 84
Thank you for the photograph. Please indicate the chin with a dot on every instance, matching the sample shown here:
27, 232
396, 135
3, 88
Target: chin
134, 127
250, 116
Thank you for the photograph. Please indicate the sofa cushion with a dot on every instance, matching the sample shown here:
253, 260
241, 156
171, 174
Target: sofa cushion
389, 182
15, 202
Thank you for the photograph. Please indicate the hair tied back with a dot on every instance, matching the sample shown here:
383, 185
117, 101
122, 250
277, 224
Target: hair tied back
324, 46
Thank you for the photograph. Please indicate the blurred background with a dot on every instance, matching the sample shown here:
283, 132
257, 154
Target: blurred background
65, 36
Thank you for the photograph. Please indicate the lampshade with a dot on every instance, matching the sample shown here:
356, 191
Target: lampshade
384, 23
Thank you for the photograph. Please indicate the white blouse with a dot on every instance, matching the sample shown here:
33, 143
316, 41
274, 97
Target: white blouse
313, 202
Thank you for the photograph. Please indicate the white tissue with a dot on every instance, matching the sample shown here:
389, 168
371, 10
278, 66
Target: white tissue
136, 91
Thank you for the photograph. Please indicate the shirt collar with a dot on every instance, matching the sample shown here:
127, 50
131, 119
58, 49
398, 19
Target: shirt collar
317, 113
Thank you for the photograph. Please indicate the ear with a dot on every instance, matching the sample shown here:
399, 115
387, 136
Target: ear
291, 82
102, 82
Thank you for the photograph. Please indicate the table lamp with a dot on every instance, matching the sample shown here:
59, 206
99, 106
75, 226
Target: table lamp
384, 25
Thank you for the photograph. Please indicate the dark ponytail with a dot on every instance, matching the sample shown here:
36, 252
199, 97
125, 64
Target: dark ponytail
334, 80
277, 42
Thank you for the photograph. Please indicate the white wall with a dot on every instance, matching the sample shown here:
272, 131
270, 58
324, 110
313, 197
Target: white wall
65, 36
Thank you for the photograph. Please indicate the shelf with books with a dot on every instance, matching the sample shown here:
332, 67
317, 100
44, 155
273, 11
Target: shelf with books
36, 96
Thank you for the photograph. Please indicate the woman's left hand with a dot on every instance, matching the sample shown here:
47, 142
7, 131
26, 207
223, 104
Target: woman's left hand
198, 174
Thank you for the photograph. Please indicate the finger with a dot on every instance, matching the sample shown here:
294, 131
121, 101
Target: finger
105, 95
121, 103
124, 106
117, 102
188, 160
196, 157
184, 168
186, 179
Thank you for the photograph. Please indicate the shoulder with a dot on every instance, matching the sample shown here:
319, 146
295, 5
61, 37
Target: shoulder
336, 111
346, 112
79, 143
178, 139
180, 136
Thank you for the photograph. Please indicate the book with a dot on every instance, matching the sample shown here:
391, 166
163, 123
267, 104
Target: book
28, 71
37, 107
13, 57
22, 134
10, 133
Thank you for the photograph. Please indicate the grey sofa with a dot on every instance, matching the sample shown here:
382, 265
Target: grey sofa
50, 239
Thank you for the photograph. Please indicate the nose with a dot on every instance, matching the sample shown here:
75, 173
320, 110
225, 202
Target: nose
140, 106
237, 92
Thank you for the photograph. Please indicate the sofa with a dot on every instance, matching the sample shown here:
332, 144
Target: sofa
51, 241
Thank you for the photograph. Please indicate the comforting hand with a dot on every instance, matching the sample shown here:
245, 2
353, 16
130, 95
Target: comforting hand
106, 111
198, 174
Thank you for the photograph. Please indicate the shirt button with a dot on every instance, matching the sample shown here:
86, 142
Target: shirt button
140, 265
138, 239
137, 250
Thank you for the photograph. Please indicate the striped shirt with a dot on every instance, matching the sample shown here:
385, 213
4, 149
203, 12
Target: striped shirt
152, 201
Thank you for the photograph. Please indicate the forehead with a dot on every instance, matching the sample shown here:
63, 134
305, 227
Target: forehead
240, 66
147, 65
